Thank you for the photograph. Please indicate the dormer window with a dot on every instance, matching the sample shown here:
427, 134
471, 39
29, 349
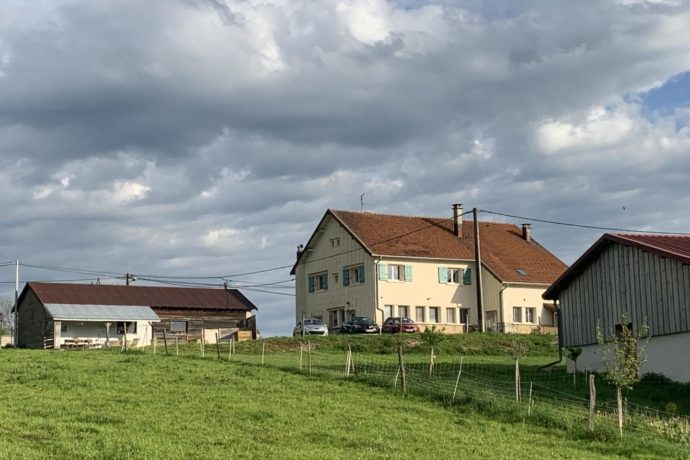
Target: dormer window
335, 242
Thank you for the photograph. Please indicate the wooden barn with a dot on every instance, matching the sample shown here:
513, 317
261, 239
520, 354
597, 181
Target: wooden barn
645, 278
52, 315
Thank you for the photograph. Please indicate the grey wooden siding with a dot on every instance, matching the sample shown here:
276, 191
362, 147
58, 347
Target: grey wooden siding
34, 323
626, 280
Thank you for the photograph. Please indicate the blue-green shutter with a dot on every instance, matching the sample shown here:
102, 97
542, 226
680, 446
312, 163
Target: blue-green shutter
311, 284
443, 275
467, 276
324, 281
346, 276
360, 272
408, 272
383, 272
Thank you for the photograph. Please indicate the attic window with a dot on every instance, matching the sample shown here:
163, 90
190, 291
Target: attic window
521, 271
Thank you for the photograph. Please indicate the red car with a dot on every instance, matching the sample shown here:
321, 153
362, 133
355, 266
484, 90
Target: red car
393, 325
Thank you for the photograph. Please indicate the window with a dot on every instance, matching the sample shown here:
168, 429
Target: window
419, 312
433, 314
403, 310
517, 314
318, 282
131, 327
63, 327
395, 272
530, 314
179, 327
464, 316
387, 311
335, 242
450, 315
454, 275
353, 275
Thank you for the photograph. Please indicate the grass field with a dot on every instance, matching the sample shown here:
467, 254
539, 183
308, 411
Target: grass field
103, 404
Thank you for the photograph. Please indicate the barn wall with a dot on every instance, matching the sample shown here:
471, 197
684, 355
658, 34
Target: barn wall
626, 280
198, 320
33, 322
667, 355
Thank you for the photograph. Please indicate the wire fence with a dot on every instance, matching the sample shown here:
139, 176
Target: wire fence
491, 385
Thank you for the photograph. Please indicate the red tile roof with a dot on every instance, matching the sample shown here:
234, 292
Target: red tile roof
151, 296
672, 246
503, 248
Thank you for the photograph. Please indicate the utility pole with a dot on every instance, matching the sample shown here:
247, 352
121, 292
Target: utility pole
129, 277
478, 259
16, 305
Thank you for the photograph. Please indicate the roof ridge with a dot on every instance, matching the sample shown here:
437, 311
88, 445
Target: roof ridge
406, 216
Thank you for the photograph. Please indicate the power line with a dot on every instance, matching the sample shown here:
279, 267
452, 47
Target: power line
568, 224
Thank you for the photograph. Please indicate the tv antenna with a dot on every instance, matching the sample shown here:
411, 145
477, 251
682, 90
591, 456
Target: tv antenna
361, 202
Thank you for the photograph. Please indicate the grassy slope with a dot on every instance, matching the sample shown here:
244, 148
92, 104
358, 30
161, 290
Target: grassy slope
110, 405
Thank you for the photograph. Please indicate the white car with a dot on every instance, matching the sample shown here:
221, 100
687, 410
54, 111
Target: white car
311, 327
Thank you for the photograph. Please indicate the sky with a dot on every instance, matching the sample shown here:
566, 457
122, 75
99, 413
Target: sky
206, 138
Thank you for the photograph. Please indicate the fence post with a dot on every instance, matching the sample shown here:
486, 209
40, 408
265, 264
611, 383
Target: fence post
201, 344
401, 365
517, 380
347, 362
592, 401
619, 397
457, 381
218, 345
263, 352
301, 352
177, 346
352, 360
165, 342
309, 356
155, 342
529, 401
431, 362
232, 339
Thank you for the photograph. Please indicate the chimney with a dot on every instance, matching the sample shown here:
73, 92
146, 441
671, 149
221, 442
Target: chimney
527, 232
300, 250
457, 220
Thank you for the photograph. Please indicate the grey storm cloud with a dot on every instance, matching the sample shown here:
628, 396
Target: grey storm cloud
208, 137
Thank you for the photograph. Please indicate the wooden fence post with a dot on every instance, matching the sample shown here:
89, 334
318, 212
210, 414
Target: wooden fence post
309, 356
263, 351
457, 381
177, 346
401, 365
232, 339
431, 362
592, 401
201, 344
517, 380
619, 397
347, 362
165, 342
529, 401
218, 345
301, 352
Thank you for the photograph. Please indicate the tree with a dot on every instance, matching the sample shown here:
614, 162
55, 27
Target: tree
622, 357
6, 315
574, 353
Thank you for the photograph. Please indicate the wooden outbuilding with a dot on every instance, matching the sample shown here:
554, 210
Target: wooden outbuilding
55, 315
642, 277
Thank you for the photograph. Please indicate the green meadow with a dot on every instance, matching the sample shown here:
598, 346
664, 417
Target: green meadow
107, 404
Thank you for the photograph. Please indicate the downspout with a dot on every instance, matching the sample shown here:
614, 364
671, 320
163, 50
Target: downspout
560, 340
376, 293
500, 303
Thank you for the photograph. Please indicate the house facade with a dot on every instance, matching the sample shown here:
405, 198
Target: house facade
644, 278
52, 315
378, 265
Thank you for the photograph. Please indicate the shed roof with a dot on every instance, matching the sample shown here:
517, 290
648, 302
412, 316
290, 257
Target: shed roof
674, 246
150, 296
504, 251
83, 312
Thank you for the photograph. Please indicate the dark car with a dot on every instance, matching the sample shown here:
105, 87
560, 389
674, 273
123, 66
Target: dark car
394, 324
359, 325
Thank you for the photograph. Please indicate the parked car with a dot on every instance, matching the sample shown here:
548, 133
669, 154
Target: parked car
359, 325
311, 327
394, 323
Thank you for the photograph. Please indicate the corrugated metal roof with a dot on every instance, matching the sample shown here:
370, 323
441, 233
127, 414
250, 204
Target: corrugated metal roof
84, 312
150, 296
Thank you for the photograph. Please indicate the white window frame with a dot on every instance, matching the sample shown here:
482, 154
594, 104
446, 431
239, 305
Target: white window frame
517, 310
423, 315
454, 275
437, 311
451, 315
405, 308
530, 311
466, 313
